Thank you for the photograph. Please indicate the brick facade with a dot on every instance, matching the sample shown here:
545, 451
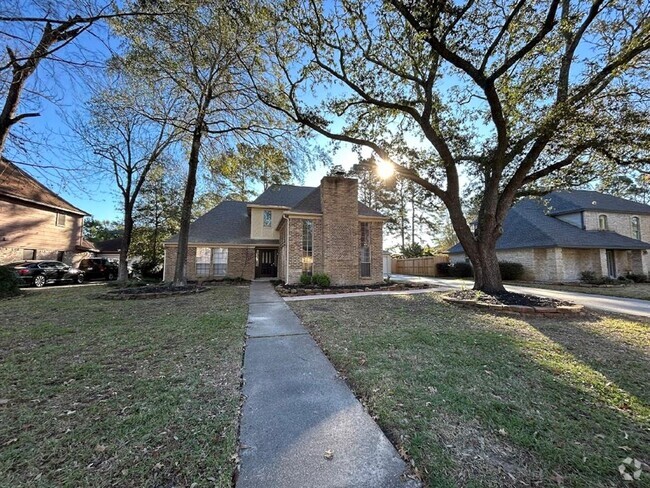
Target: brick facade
558, 265
336, 238
241, 263
335, 244
24, 226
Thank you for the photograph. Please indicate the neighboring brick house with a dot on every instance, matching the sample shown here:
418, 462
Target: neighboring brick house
565, 233
36, 223
286, 232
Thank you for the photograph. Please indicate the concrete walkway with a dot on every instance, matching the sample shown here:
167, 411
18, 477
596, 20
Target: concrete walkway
628, 306
301, 425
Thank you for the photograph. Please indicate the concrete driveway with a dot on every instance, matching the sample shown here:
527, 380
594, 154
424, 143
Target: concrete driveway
628, 306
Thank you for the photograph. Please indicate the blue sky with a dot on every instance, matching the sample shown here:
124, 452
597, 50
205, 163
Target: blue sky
54, 145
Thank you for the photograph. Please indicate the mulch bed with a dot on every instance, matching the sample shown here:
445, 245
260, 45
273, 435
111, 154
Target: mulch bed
151, 291
512, 302
301, 290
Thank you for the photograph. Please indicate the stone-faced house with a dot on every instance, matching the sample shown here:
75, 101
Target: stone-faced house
558, 237
36, 223
286, 232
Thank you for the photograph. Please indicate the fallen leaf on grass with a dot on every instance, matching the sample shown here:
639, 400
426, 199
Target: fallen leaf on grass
100, 448
158, 466
10, 441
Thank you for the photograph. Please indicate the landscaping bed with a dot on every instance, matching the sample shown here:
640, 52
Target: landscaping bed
302, 290
477, 399
512, 302
120, 393
151, 291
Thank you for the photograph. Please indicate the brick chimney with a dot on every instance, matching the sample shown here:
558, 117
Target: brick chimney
339, 203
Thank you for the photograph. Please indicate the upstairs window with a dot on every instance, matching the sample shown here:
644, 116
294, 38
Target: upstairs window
636, 229
364, 250
602, 222
60, 219
307, 247
29, 253
268, 218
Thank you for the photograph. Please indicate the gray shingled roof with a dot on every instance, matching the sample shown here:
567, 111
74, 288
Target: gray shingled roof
228, 222
569, 201
283, 195
311, 204
528, 226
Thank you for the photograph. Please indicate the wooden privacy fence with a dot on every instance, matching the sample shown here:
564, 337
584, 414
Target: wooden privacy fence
425, 266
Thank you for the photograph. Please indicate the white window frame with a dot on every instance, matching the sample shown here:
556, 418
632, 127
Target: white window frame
602, 222
635, 223
365, 258
219, 261
269, 222
203, 261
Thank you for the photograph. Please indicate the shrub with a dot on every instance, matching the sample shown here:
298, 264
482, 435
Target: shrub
637, 277
305, 279
321, 280
442, 269
9, 283
461, 270
148, 269
591, 278
511, 271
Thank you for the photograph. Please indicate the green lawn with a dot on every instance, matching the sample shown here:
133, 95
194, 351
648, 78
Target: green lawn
635, 290
482, 400
120, 393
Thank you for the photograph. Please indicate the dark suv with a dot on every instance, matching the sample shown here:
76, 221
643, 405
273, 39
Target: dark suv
98, 269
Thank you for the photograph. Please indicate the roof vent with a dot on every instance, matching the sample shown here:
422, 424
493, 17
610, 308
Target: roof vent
594, 202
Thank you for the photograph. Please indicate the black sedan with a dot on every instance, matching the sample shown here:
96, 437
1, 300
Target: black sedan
40, 273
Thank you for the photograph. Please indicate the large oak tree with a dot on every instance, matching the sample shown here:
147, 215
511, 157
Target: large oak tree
501, 93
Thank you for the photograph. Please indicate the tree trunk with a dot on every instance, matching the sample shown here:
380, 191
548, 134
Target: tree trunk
123, 272
479, 247
487, 276
180, 276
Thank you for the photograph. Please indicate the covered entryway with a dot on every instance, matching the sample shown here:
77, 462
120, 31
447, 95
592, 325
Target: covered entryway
266, 264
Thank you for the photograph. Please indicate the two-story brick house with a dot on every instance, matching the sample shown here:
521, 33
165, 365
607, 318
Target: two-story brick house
286, 232
558, 237
36, 223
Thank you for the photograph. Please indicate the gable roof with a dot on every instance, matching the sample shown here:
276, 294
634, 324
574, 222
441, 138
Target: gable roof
283, 195
228, 222
527, 225
312, 204
569, 201
16, 183
110, 245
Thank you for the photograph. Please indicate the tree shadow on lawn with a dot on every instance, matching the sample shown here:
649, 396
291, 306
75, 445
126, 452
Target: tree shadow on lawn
617, 347
480, 400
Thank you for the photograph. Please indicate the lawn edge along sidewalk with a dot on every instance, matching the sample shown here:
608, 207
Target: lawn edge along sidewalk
301, 425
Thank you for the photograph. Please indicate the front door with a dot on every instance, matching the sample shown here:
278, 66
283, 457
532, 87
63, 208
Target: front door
266, 263
611, 263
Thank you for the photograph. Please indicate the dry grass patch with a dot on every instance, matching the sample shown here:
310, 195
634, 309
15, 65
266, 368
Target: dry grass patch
482, 400
120, 393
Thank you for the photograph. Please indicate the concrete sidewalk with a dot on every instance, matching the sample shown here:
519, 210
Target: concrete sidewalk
297, 412
603, 303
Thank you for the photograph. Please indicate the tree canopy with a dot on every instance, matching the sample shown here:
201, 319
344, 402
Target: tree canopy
506, 95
